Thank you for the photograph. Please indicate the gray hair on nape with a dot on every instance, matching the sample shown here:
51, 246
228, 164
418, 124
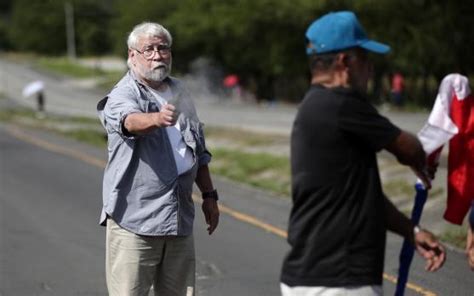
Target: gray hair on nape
147, 29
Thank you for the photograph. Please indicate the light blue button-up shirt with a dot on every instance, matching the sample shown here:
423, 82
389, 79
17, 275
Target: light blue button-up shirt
142, 191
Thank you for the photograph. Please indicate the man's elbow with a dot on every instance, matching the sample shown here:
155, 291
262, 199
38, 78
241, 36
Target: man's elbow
407, 149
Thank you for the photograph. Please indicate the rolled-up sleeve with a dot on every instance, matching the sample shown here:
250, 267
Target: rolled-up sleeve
120, 103
204, 156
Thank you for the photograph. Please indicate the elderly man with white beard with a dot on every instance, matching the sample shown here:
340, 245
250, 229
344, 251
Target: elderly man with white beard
156, 151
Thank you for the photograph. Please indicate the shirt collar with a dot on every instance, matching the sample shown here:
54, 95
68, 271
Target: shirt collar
341, 90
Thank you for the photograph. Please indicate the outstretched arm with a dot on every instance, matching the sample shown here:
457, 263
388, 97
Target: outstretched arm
426, 244
142, 123
409, 151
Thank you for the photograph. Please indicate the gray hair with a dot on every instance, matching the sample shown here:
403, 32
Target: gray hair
147, 29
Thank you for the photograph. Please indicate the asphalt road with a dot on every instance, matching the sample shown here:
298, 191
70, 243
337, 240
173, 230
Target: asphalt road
51, 243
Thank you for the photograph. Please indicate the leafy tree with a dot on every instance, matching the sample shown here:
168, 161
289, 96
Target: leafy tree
261, 41
5, 12
38, 26
92, 19
128, 14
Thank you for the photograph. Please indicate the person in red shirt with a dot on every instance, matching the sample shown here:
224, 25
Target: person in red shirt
398, 85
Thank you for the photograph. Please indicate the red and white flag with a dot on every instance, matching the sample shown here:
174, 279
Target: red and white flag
452, 120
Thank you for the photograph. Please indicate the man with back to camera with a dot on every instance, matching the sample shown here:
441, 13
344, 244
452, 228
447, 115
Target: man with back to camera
156, 152
339, 218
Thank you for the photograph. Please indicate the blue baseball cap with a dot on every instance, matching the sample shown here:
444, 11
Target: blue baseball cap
337, 31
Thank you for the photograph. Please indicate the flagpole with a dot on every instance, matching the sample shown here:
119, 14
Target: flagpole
408, 250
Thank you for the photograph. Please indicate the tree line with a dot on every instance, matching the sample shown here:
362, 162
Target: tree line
262, 41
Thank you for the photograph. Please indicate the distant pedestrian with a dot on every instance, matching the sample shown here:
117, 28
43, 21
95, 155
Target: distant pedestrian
37, 89
232, 85
397, 89
340, 215
156, 152
40, 101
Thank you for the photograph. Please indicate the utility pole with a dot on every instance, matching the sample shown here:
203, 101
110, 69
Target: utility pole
71, 39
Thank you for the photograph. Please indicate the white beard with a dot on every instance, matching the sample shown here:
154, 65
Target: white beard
158, 74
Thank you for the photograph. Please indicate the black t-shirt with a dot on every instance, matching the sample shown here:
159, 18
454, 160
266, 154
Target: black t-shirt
337, 229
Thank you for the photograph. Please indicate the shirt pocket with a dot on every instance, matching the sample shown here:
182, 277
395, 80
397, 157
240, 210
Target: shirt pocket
196, 129
191, 135
152, 106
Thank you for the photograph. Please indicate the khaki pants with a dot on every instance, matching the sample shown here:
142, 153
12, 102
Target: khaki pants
135, 263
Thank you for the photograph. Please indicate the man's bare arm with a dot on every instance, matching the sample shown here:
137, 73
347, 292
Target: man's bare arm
425, 243
209, 205
409, 151
143, 123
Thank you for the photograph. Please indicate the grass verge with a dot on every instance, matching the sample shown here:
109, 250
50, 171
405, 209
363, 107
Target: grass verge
95, 138
455, 235
64, 66
398, 187
244, 138
261, 170
83, 129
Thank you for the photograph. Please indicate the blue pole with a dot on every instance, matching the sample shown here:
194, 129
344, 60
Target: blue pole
407, 252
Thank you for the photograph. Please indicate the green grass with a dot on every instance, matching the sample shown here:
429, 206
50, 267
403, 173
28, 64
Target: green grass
243, 138
455, 235
109, 79
18, 114
401, 187
398, 187
83, 129
261, 170
74, 120
63, 66
92, 137
257, 169
8, 115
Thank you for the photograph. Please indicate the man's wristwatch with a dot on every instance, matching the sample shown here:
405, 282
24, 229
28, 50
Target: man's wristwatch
210, 194
416, 229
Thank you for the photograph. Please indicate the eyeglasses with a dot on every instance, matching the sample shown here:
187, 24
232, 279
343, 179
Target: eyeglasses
149, 52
